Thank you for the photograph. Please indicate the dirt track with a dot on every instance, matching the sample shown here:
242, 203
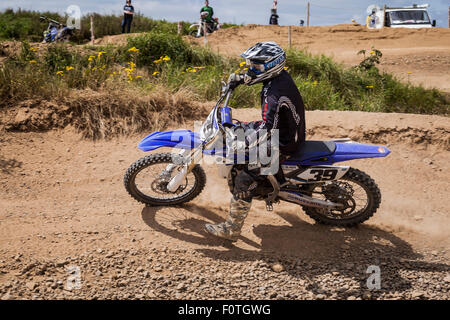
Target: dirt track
63, 203
423, 52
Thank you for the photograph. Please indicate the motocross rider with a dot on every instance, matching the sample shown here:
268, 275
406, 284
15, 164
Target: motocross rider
282, 109
209, 18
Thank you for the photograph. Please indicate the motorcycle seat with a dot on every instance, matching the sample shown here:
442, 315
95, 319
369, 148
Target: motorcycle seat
314, 149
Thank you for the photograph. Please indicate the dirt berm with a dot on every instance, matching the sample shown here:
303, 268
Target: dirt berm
421, 56
63, 205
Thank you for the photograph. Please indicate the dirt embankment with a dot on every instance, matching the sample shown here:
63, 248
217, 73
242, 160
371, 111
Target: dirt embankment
421, 56
63, 204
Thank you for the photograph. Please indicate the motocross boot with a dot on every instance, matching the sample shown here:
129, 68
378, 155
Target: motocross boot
231, 229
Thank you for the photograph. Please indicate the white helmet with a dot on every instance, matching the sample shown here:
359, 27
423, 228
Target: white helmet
265, 61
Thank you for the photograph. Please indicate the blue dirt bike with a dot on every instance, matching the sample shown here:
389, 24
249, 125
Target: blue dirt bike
56, 32
330, 194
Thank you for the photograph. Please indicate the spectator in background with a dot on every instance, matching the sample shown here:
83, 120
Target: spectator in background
274, 16
372, 20
128, 11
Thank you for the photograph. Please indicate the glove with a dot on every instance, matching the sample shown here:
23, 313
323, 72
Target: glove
235, 80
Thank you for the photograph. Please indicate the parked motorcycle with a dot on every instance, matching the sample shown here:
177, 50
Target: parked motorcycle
56, 31
330, 194
198, 28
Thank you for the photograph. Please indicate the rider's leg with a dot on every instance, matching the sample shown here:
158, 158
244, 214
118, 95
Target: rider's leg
240, 205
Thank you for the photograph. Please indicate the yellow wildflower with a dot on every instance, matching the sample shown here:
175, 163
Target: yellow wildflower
315, 83
157, 61
372, 52
60, 73
369, 87
69, 68
138, 77
286, 68
155, 73
91, 58
100, 54
134, 49
166, 58
32, 61
242, 64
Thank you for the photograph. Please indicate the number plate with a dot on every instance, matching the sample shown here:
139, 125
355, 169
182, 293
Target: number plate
323, 173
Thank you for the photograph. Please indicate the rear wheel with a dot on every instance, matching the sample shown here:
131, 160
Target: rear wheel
146, 181
356, 191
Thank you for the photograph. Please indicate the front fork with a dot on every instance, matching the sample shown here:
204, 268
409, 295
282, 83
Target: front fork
188, 159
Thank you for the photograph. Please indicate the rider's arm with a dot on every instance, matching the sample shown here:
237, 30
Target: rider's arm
269, 121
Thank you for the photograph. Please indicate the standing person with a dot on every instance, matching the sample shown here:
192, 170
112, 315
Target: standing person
209, 17
128, 12
371, 20
282, 108
274, 16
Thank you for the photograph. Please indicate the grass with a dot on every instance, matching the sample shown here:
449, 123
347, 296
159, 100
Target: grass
163, 64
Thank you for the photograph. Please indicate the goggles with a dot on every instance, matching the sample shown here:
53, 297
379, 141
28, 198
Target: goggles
255, 66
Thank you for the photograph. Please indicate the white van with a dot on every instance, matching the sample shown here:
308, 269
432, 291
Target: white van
415, 16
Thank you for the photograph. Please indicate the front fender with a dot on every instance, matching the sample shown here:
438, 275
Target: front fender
182, 139
194, 25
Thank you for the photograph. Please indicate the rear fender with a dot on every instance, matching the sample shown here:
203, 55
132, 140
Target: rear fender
351, 151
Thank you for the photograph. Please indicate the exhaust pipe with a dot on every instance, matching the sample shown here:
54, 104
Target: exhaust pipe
308, 201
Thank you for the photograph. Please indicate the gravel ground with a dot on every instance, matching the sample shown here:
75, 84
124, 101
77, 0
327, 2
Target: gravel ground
202, 274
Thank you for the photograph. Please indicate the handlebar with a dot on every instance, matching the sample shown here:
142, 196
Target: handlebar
42, 18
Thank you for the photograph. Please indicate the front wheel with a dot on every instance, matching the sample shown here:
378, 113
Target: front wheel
194, 33
356, 191
146, 181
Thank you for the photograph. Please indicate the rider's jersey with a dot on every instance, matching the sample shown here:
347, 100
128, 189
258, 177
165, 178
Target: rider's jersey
283, 109
210, 11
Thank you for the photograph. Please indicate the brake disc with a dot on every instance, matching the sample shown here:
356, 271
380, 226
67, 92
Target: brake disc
342, 193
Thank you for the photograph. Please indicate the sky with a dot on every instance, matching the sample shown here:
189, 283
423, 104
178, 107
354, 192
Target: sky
323, 12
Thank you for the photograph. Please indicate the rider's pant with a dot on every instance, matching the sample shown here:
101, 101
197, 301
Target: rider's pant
245, 185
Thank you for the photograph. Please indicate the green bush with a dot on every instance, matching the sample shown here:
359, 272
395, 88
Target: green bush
324, 84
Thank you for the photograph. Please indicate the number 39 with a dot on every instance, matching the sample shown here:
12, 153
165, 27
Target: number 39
323, 175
